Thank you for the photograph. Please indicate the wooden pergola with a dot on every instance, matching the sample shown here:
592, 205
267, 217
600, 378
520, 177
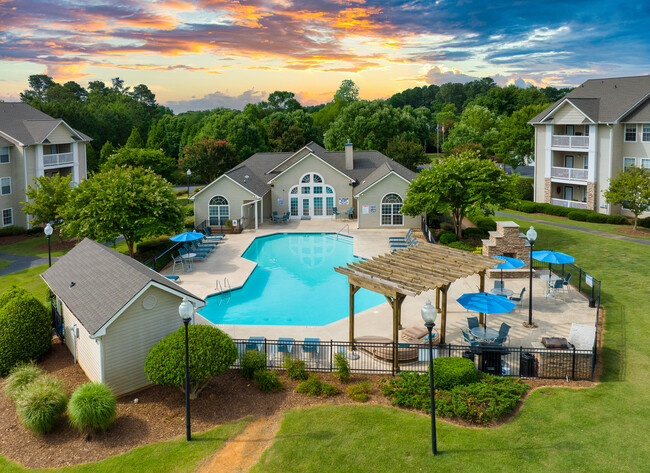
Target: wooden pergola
410, 272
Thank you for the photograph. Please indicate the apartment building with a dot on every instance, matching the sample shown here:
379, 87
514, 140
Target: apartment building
33, 144
584, 140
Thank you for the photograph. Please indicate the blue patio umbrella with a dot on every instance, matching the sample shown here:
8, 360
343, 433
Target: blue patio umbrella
552, 257
187, 236
486, 303
509, 263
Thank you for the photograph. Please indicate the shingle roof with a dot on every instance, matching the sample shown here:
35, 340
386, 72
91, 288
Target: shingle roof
28, 125
605, 100
104, 282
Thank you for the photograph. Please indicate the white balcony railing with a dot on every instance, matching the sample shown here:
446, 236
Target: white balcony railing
57, 159
569, 203
565, 141
570, 173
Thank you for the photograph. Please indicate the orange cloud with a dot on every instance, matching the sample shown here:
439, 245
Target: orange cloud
66, 72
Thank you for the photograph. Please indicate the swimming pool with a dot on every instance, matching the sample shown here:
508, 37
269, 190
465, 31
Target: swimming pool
294, 283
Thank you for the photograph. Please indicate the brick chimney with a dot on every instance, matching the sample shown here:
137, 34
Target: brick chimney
349, 155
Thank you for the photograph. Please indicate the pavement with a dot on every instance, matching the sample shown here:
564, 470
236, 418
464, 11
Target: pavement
576, 228
20, 262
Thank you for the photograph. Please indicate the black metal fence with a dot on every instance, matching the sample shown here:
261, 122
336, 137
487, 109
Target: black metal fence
580, 279
57, 321
426, 231
369, 358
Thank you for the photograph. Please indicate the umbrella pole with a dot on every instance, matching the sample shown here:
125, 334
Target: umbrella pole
501, 278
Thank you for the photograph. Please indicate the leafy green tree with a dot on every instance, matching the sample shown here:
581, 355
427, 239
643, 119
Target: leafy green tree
516, 136
47, 199
235, 128
477, 125
459, 184
290, 131
135, 140
406, 152
347, 93
631, 188
106, 151
38, 86
208, 158
153, 159
143, 95
130, 201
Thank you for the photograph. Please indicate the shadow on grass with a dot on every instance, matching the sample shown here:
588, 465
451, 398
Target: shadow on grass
614, 353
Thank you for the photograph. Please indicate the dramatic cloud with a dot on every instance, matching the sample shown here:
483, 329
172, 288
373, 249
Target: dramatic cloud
218, 99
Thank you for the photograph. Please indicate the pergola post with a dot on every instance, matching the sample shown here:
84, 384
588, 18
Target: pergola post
353, 291
396, 303
443, 318
481, 316
437, 298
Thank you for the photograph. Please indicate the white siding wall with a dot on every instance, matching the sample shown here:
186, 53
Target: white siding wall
88, 355
374, 195
568, 115
131, 336
235, 194
60, 135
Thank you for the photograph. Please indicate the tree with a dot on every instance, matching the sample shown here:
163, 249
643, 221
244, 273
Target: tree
459, 184
208, 158
516, 136
142, 94
477, 125
153, 159
106, 151
47, 199
631, 188
38, 83
348, 92
406, 152
211, 353
130, 201
135, 140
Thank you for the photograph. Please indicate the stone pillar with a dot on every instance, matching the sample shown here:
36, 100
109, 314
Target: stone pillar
591, 196
547, 190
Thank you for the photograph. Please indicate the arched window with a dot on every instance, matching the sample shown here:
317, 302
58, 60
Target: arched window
218, 210
391, 206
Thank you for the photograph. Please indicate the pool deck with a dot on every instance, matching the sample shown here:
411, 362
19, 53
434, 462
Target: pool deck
554, 318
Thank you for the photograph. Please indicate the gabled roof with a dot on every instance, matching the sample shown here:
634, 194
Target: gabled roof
604, 100
377, 175
105, 282
4, 142
29, 126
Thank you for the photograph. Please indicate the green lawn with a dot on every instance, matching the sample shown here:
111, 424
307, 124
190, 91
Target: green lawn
4, 263
558, 430
28, 279
602, 227
175, 456
28, 247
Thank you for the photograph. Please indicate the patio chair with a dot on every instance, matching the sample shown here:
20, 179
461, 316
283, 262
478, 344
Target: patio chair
565, 283
275, 218
335, 212
557, 288
285, 217
518, 299
311, 346
255, 343
177, 260
504, 330
472, 322
473, 343
403, 239
498, 284
197, 256
350, 213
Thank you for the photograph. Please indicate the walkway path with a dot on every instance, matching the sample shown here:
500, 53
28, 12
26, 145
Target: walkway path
20, 262
574, 227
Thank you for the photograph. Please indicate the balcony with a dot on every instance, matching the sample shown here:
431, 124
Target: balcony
575, 174
569, 203
570, 142
50, 160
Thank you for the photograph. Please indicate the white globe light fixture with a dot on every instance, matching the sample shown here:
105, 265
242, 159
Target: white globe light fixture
429, 314
48, 230
186, 310
531, 236
48, 233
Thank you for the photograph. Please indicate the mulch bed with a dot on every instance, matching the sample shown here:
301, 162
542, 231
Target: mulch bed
11, 239
59, 245
639, 232
159, 413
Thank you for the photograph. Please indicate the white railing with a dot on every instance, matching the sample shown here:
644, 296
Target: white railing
570, 173
57, 159
566, 141
569, 203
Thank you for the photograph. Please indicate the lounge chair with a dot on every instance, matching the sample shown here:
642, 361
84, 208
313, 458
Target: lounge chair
209, 233
255, 343
403, 244
472, 322
173, 278
285, 345
197, 256
204, 244
415, 333
197, 251
209, 237
311, 346
403, 239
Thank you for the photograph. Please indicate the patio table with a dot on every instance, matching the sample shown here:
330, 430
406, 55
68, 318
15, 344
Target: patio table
485, 333
502, 292
189, 257
550, 280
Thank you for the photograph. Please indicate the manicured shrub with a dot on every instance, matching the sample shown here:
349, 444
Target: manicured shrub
25, 329
557, 210
42, 404
474, 233
157, 245
211, 353
314, 387
408, 389
528, 207
268, 381
524, 188
360, 392
578, 216
92, 407
459, 245
644, 222
342, 366
595, 217
12, 230
295, 368
618, 220
252, 361
447, 237
20, 377
482, 402
447, 226
486, 224
453, 371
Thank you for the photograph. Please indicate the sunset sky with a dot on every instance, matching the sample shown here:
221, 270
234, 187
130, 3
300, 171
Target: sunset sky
206, 53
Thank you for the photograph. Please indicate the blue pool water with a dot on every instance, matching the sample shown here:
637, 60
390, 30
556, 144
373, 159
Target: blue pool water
294, 283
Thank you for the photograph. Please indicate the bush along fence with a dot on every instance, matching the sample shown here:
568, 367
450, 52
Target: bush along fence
376, 358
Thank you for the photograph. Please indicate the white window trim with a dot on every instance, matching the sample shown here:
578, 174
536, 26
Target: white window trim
218, 206
641, 163
10, 185
628, 157
381, 204
636, 134
3, 217
644, 125
8, 154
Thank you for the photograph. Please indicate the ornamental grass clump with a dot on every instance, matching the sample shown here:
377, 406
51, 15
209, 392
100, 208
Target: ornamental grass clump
92, 407
20, 377
360, 392
42, 404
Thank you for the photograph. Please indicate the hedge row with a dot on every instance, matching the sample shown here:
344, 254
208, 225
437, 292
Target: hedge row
573, 214
12, 230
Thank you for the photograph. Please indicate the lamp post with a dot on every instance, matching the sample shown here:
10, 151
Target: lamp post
531, 236
189, 173
186, 310
428, 313
48, 233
